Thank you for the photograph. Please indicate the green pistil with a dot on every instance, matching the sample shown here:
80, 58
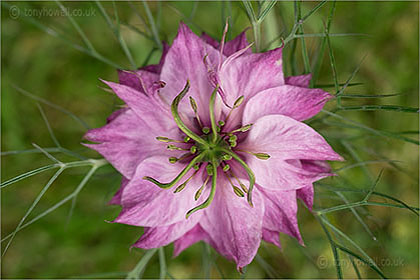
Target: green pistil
180, 175
177, 117
212, 191
212, 116
248, 171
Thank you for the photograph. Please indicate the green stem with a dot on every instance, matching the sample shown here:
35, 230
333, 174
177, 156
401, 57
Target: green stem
248, 171
178, 120
180, 175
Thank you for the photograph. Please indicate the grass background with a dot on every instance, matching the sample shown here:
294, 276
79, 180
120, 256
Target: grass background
55, 247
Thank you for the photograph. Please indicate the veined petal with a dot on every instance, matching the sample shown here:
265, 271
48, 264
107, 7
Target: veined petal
271, 237
306, 194
285, 138
233, 225
280, 212
155, 237
145, 204
299, 81
193, 236
125, 143
251, 73
155, 114
295, 102
185, 61
116, 199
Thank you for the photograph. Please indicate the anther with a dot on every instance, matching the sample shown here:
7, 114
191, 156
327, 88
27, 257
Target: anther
209, 169
221, 123
200, 190
194, 107
173, 159
193, 149
238, 102
236, 190
245, 128
226, 157
183, 185
206, 130
167, 140
187, 139
263, 156
173, 147
226, 168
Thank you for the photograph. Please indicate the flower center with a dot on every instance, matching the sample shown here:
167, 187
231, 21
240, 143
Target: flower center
213, 149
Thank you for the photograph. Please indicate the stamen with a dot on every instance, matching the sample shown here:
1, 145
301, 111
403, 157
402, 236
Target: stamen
183, 185
187, 139
236, 104
212, 191
193, 149
236, 190
243, 187
248, 171
200, 190
173, 159
263, 156
194, 107
245, 128
226, 157
205, 130
179, 176
226, 168
167, 140
221, 123
173, 147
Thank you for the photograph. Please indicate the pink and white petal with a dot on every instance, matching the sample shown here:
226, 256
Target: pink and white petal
154, 113
251, 73
278, 174
193, 236
285, 138
146, 204
295, 102
116, 199
299, 81
306, 194
185, 61
209, 40
125, 143
155, 237
236, 44
141, 80
233, 225
271, 237
281, 212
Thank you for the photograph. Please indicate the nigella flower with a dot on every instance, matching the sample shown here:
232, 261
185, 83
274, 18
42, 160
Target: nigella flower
212, 147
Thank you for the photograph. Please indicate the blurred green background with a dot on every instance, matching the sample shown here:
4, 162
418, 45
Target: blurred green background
36, 59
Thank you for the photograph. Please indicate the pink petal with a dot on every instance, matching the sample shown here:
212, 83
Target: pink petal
271, 237
251, 73
280, 212
127, 140
156, 237
116, 199
233, 225
150, 109
285, 138
146, 204
295, 102
185, 61
193, 236
236, 44
299, 81
209, 40
141, 80
306, 194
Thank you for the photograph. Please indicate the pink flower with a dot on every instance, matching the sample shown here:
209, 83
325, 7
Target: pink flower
224, 165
